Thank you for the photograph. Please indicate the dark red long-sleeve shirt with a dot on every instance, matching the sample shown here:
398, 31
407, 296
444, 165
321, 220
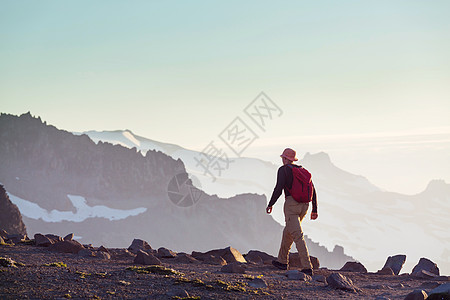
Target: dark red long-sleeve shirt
284, 179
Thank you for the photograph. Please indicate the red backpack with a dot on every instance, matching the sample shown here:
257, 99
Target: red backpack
302, 186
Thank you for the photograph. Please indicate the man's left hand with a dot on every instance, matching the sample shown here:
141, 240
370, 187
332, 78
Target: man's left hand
314, 216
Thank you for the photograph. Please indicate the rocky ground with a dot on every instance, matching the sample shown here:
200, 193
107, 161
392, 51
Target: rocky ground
29, 271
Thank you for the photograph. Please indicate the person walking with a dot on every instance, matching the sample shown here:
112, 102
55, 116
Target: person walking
294, 211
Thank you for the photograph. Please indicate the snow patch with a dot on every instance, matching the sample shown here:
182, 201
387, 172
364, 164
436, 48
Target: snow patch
82, 211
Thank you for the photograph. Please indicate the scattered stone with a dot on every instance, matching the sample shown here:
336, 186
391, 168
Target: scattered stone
424, 275
103, 255
440, 292
339, 281
7, 262
42, 240
184, 258
144, 258
230, 255
86, 253
17, 238
315, 262
395, 262
66, 247
214, 260
259, 257
319, 278
426, 265
139, 245
233, 268
382, 298
68, 237
166, 253
297, 275
417, 295
352, 266
103, 249
386, 271
258, 283
3, 234
54, 238
294, 261
2, 241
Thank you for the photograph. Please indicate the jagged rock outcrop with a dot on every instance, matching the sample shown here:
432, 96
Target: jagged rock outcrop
10, 217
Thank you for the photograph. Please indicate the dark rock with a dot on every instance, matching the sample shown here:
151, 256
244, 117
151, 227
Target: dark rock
54, 238
386, 271
11, 220
352, 266
66, 247
17, 238
429, 285
144, 258
294, 261
424, 275
297, 275
230, 255
166, 253
440, 292
426, 265
3, 234
138, 245
339, 281
184, 258
86, 253
42, 240
214, 260
103, 255
103, 249
233, 268
68, 237
258, 283
319, 278
395, 262
2, 241
315, 262
417, 295
259, 257
121, 254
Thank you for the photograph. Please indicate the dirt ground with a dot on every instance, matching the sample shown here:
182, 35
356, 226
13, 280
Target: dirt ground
41, 274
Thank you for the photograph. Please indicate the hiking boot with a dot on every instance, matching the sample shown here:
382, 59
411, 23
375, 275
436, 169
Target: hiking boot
279, 265
307, 272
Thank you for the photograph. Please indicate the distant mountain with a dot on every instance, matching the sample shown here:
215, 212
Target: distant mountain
368, 222
109, 194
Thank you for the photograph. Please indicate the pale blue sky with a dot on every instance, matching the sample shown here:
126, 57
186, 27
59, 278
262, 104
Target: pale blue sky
179, 72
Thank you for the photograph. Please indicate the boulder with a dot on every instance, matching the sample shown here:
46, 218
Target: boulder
319, 278
230, 255
386, 271
352, 266
184, 258
417, 295
68, 237
233, 268
426, 265
103, 255
441, 292
144, 258
214, 260
86, 253
166, 253
259, 257
103, 249
139, 245
297, 275
339, 281
395, 262
42, 240
55, 238
17, 238
424, 275
294, 261
66, 247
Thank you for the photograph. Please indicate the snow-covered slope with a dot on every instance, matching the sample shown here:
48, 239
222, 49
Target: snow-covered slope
369, 223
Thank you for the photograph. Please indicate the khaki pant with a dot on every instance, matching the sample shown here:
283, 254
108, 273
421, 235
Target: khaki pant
294, 212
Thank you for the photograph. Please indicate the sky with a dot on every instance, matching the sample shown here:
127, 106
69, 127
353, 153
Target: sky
365, 82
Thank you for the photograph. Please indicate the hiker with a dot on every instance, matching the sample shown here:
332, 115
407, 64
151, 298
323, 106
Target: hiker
289, 179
